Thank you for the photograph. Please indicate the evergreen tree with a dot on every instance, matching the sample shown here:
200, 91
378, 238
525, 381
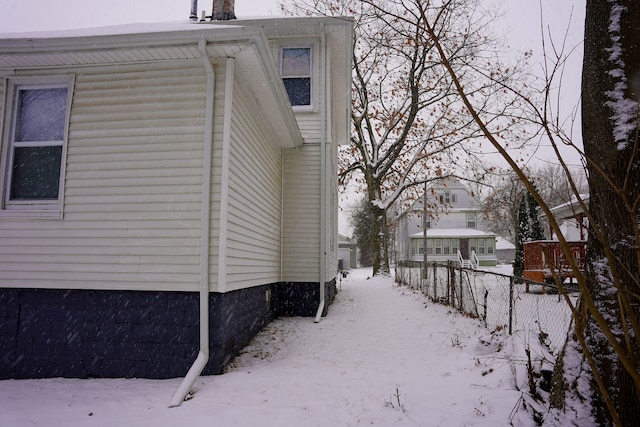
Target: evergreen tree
362, 223
528, 228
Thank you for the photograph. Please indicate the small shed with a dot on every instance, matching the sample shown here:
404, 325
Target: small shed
505, 250
347, 253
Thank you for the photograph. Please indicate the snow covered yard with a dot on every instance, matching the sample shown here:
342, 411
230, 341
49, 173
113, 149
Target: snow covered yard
384, 356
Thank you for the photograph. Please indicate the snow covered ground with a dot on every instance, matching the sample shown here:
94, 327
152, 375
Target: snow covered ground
384, 356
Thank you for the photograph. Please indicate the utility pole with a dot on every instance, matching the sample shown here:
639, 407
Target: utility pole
424, 232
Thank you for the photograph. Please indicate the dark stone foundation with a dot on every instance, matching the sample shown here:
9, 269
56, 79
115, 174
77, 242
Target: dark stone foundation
112, 334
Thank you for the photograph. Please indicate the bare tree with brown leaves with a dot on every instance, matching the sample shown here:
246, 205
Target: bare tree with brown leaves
605, 343
409, 125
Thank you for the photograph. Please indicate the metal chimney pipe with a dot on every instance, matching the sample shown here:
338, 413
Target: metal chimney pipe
194, 10
223, 10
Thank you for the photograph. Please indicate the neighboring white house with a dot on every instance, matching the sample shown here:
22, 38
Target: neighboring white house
166, 190
571, 218
454, 228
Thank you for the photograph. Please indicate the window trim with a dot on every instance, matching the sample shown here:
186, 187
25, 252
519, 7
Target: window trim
472, 218
32, 208
312, 107
448, 197
438, 246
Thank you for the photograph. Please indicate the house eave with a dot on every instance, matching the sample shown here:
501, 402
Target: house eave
248, 45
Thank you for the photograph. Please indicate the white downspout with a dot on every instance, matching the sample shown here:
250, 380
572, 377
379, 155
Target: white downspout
205, 216
323, 173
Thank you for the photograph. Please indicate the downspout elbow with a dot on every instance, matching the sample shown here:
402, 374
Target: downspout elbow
320, 309
189, 379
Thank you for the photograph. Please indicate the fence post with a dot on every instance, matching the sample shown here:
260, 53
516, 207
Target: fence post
510, 305
435, 283
486, 297
449, 288
460, 292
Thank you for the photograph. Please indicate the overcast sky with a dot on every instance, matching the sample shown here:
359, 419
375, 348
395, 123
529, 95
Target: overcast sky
34, 15
520, 23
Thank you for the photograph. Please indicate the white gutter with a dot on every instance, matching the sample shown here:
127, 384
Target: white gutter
323, 173
205, 216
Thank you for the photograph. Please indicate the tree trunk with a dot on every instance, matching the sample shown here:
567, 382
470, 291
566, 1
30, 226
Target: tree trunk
379, 241
610, 84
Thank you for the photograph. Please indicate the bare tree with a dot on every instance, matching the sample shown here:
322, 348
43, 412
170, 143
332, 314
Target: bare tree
610, 113
503, 190
606, 335
408, 122
500, 204
553, 185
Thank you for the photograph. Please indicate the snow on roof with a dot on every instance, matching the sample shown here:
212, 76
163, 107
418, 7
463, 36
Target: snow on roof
159, 27
502, 243
110, 30
455, 232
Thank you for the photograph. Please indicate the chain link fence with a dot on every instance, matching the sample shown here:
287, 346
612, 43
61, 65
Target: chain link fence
499, 300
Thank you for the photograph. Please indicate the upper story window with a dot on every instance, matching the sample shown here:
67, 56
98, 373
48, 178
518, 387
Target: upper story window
295, 67
448, 197
32, 157
471, 220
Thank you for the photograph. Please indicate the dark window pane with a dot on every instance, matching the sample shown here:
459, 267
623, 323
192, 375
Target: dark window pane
299, 90
41, 114
36, 173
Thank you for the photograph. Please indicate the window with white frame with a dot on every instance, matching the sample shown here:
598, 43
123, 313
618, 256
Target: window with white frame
481, 246
446, 247
448, 197
490, 246
295, 68
471, 220
32, 156
418, 247
454, 246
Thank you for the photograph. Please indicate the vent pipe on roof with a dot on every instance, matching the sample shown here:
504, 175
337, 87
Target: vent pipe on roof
223, 10
194, 10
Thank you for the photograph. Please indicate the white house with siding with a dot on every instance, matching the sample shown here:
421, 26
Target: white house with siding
166, 191
454, 228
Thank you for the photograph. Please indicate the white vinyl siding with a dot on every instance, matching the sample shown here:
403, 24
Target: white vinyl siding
132, 189
302, 201
254, 210
332, 217
301, 216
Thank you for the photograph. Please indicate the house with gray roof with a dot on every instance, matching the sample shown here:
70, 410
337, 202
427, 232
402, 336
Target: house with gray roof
451, 225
